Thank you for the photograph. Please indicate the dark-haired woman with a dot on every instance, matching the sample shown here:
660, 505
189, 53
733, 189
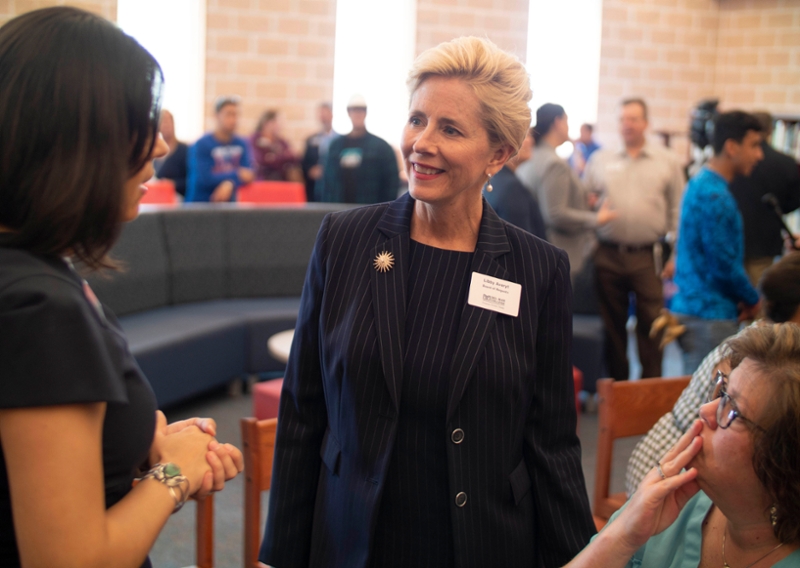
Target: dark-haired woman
272, 155
562, 199
79, 111
728, 492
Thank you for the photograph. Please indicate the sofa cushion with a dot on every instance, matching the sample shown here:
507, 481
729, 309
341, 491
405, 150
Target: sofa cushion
195, 240
144, 281
188, 349
264, 317
269, 249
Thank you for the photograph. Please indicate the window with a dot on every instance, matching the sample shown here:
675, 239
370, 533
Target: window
564, 57
175, 33
375, 43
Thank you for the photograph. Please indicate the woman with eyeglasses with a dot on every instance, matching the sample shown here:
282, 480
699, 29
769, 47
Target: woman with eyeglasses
728, 493
780, 300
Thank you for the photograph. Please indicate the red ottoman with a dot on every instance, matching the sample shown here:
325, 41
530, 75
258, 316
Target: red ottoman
267, 398
577, 378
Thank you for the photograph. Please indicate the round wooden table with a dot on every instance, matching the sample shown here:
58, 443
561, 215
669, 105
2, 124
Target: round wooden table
280, 344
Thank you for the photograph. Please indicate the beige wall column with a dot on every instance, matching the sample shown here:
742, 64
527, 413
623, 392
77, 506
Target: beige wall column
505, 22
274, 54
663, 51
758, 58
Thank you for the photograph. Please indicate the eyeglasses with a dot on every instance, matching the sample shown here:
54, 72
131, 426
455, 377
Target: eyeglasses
726, 410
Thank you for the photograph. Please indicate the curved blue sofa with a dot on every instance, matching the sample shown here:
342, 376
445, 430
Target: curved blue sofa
204, 286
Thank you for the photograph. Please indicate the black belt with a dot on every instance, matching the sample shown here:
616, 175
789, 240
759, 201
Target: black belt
619, 247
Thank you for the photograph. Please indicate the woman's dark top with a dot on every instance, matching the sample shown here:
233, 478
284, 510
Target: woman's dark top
58, 346
414, 526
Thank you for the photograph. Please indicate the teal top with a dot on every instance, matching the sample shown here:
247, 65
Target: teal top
680, 545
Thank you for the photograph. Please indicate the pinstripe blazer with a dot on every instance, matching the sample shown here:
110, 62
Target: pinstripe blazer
511, 394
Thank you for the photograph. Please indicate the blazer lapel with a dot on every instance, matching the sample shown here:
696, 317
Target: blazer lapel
476, 323
389, 291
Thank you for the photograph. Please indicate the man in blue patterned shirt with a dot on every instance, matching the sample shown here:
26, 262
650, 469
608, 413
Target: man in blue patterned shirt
714, 292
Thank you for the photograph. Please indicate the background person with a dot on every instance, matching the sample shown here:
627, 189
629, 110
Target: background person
77, 417
173, 165
511, 200
585, 146
714, 291
317, 150
643, 183
273, 158
775, 174
219, 162
562, 199
417, 428
360, 167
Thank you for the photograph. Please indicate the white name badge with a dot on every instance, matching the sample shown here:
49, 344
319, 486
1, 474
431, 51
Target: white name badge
494, 294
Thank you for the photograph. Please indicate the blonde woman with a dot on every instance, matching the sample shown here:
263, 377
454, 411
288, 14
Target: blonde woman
428, 413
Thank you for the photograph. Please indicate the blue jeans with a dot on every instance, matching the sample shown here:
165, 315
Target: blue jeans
701, 338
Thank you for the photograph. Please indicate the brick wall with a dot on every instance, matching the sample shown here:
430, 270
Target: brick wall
676, 52
505, 22
758, 61
11, 8
279, 53
663, 51
274, 54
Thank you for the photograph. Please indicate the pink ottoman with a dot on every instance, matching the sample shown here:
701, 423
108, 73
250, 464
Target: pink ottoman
577, 378
267, 398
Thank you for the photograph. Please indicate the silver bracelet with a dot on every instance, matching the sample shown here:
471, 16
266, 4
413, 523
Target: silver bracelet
170, 475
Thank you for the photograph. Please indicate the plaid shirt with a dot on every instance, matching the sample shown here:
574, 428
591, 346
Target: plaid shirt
672, 425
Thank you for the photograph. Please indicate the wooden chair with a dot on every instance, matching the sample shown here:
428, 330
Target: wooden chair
204, 534
626, 408
272, 192
258, 445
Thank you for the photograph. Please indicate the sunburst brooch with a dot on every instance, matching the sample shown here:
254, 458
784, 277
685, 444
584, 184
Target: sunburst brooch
384, 262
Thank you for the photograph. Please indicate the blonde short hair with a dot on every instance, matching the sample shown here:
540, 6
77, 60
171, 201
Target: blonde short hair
498, 79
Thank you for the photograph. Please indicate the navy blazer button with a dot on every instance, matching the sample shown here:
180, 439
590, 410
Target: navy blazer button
461, 499
457, 436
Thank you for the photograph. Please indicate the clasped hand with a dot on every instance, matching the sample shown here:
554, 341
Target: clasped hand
192, 445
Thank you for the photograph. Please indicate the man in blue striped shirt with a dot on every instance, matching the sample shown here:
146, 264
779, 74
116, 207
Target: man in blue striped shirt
714, 292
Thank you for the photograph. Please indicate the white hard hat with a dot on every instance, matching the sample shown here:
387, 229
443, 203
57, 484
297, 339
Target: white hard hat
357, 101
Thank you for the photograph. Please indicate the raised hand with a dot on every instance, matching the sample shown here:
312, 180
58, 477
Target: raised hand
659, 500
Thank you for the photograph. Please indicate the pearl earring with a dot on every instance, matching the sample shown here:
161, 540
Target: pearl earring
489, 187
